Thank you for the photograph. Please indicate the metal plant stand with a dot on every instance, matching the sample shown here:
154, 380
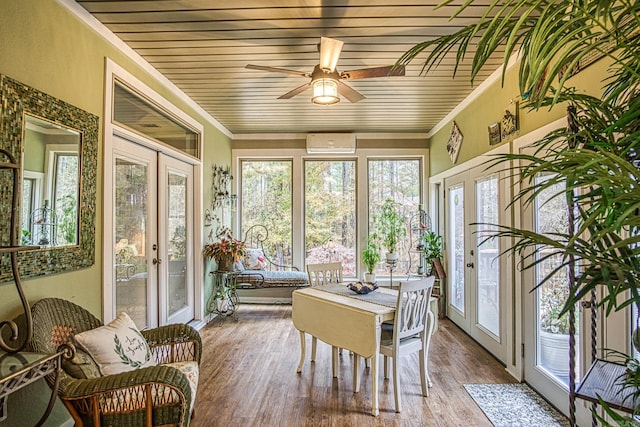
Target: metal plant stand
224, 299
18, 368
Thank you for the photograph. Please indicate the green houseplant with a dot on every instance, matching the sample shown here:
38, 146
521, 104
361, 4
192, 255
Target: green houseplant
595, 157
371, 257
432, 249
390, 227
226, 252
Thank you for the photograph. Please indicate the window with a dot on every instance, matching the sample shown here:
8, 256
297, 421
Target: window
550, 217
330, 213
400, 181
64, 194
317, 207
28, 204
136, 113
266, 200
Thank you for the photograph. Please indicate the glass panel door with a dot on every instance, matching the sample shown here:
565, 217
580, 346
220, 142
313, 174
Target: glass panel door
546, 339
456, 239
153, 232
176, 233
552, 343
134, 230
476, 281
488, 265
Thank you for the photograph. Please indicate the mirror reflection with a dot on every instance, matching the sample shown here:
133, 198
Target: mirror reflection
50, 184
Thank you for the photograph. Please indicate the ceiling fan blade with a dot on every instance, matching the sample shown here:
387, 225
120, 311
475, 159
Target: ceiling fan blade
277, 70
329, 53
350, 93
367, 73
295, 91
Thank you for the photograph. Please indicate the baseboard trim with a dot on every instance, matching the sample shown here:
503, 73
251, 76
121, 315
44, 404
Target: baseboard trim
265, 300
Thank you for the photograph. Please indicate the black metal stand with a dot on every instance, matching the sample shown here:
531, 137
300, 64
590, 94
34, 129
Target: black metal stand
224, 299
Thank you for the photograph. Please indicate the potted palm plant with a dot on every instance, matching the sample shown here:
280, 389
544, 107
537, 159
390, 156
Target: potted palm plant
371, 257
390, 228
554, 327
595, 159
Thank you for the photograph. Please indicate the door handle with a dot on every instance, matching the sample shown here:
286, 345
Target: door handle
157, 261
470, 264
586, 304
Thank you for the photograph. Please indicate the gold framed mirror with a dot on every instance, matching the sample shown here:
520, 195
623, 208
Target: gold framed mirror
58, 213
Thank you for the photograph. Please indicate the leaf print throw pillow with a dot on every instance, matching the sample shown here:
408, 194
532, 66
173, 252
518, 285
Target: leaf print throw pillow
117, 346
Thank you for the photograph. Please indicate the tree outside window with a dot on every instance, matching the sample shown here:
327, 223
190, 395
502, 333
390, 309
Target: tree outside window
267, 200
330, 213
398, 180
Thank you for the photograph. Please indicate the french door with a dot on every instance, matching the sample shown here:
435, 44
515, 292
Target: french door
546, 336
477, 277
152, 270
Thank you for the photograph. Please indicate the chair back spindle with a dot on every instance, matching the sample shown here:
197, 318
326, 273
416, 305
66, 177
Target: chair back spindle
325, 274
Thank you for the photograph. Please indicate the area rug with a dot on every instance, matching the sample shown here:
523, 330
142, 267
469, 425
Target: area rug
514, 405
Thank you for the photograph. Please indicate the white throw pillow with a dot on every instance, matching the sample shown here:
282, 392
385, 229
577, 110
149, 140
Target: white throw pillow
117, 346
254, 259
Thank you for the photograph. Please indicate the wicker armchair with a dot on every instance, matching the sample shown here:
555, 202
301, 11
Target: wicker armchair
156, 395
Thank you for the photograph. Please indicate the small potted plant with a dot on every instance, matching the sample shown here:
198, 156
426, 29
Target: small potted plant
432, 249
370, 257
226, 252
390, 228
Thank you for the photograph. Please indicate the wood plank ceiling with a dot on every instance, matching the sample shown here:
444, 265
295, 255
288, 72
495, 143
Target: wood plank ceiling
203, 46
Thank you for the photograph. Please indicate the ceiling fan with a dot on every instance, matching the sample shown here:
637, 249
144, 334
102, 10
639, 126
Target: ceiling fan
327, 83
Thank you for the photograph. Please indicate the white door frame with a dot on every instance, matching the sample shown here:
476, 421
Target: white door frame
113, 72
551, 389
136, 153
167, 165
511, 322
469, 320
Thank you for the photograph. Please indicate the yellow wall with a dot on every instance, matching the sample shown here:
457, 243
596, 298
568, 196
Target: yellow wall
45, 46
34, 150
489, 108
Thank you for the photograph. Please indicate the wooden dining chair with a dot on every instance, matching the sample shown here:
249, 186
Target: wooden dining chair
329, 273
411, 332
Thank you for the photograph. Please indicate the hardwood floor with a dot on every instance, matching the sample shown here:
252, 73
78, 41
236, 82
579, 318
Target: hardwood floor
248, 378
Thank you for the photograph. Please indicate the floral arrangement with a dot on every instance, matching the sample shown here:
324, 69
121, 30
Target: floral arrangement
226, 247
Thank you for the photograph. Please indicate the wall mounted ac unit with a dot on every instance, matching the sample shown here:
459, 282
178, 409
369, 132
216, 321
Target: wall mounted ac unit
331, 143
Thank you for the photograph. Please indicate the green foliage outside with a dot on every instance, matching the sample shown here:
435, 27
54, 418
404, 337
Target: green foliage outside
330, 210
67, 219
329, 204
267, 200
390, 225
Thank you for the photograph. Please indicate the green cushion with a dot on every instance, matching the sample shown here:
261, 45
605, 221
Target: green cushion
81, 366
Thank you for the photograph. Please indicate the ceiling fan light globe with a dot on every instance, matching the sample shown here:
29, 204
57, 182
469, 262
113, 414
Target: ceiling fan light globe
325, 92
